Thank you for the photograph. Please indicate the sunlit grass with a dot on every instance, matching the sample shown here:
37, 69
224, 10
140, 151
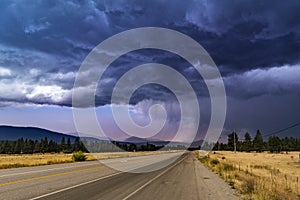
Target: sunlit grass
27, 160
258, 175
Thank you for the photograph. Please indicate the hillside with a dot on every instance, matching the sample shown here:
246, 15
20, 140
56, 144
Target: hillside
13, 133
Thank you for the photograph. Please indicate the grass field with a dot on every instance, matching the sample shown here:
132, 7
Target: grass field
26, 160
258, 175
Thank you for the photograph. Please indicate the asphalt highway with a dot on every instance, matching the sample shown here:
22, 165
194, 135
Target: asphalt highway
183, 178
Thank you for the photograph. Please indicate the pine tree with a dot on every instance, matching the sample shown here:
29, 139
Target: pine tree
258, 142
274, 144
232, 139
44, 145
247, 143
28, 146
18, 148
8, 147
76, 146
37, 147
62, 144
68, 146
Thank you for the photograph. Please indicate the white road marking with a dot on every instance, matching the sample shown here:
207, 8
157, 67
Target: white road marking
45, 170
150, 181
83, 165
75, 186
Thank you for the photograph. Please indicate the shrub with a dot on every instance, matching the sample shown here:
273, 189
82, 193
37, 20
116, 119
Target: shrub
78, 156
231, 183
203, 159
214, 162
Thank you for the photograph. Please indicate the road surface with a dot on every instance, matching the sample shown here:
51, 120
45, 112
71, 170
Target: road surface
185, 178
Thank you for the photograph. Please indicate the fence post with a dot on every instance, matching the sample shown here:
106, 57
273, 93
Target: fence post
297, 185
286, 181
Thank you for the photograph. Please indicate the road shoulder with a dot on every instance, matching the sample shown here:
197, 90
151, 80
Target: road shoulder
211, 186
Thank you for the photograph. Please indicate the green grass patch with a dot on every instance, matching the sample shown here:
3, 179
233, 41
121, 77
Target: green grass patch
79, 156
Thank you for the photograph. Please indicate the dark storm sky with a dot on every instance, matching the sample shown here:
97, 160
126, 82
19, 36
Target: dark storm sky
255, 44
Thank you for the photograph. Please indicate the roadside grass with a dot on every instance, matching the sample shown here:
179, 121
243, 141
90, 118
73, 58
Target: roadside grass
28, 160
257, 176
14, 161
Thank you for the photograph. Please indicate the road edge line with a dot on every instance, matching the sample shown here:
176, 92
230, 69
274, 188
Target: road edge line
153, 179
46, 170
75, 186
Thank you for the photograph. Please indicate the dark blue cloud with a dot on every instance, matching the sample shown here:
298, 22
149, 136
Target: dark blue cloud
256, 46
43, 43
238, 35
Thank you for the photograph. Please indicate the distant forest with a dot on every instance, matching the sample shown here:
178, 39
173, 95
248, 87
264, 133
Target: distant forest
247, 144
44, 146
274, 144
40, 146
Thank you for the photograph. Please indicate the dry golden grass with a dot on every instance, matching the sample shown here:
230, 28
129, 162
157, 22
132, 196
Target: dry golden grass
258, 175
26, 160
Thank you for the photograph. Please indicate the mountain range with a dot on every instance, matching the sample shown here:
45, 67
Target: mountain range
13, 133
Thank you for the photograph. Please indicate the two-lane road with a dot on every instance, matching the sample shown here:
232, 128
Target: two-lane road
185, 178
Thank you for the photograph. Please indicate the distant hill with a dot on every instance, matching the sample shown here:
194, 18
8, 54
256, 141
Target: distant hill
135, 140
13, 133
196, 144
143, 141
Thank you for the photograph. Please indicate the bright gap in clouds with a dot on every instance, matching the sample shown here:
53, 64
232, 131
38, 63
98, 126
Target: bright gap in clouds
5, 72
261, 85
282, 80
255, 45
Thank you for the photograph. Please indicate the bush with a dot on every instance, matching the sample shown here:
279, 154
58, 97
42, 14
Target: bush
78, 156
231, 183
203, 159
214, 162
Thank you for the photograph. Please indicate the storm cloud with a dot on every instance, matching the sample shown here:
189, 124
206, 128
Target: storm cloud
256, 46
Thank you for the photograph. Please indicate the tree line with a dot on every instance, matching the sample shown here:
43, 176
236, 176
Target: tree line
247, 144
40, 146
113, 146
67, 146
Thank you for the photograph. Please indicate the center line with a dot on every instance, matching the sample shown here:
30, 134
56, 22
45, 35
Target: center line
49, 176
75, 186
150, 181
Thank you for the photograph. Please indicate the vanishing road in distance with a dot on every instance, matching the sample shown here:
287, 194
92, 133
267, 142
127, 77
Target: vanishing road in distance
185, 178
